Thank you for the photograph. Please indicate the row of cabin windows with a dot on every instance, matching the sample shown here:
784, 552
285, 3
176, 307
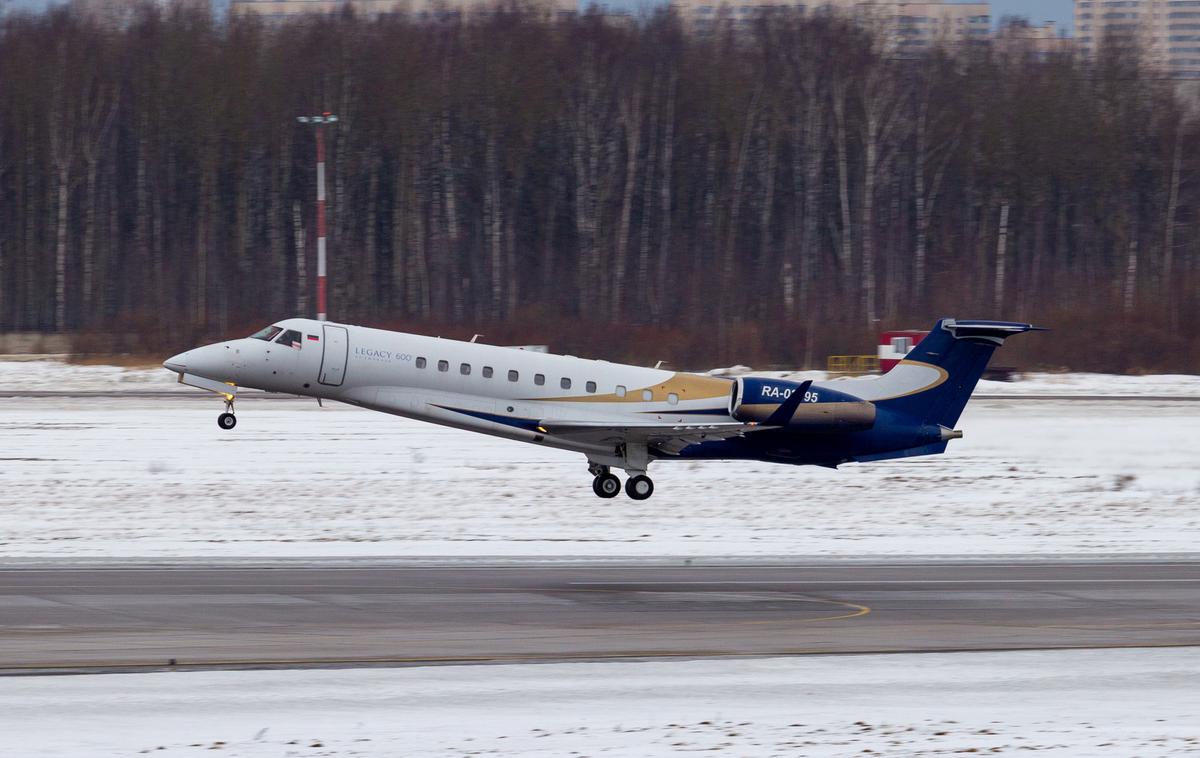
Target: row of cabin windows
540, 380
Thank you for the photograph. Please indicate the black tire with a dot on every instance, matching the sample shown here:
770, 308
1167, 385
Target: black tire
606, 486
639, 487
227, 421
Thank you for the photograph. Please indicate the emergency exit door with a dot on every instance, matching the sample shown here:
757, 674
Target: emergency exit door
333, 356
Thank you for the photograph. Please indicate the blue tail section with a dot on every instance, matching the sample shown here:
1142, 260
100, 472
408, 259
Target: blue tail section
959, 352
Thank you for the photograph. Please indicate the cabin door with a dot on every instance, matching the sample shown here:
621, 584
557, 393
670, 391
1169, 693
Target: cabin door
333, 356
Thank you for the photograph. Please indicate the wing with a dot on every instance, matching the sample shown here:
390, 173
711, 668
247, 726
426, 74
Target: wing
663, 438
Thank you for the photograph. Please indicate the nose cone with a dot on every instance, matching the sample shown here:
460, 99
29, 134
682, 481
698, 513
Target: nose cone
177, 363
210, 361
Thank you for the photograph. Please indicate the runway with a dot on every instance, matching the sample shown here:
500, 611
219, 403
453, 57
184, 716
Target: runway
287, 615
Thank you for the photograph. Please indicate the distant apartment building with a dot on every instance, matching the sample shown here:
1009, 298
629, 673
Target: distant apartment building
906, 26
1167, 30
424, 9
918, 26
1038, 42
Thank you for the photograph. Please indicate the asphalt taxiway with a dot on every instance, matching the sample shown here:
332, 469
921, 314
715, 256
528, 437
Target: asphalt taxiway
116, 618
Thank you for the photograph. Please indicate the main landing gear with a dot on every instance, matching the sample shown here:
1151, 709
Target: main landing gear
606, 484
227, 420
639, 487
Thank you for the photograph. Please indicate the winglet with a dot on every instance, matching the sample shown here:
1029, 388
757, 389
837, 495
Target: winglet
783, 414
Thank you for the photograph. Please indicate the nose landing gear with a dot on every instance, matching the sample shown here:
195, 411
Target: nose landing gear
227, 420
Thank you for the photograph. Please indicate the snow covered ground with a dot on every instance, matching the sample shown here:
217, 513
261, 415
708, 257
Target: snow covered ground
138, 477
1099, 385
1046, 703
129, 477
61, 376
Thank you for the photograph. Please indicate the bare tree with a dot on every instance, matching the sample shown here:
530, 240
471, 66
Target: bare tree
590, 184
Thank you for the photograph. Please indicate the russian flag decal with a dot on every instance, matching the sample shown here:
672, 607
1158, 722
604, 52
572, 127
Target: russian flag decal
314, 338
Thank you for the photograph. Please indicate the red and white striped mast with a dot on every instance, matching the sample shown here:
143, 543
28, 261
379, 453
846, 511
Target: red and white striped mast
320, 122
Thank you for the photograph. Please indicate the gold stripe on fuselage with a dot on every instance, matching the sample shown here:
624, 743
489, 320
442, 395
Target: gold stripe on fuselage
685, 386
943, 375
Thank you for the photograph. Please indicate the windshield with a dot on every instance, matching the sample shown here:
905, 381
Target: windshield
267, 334
291, 338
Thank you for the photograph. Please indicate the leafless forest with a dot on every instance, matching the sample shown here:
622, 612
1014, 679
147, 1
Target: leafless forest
623, 190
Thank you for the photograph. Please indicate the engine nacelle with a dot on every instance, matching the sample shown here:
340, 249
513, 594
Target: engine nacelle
820, 409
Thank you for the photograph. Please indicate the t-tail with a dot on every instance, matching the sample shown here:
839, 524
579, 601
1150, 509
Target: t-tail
934, 381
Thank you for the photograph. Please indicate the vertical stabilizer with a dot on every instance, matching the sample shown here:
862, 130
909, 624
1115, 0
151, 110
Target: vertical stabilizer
934, 381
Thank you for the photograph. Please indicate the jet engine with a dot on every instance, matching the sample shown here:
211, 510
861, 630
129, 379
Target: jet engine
798, 406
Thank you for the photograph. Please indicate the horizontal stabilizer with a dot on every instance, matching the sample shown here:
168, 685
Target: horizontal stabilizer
995, 331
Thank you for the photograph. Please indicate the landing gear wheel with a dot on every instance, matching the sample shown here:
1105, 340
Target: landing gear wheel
639, 487
606, 486
227, 421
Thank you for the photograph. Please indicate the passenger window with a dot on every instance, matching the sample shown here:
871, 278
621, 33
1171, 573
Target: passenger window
420, 363
443, 365
291, 338
565, 383
647, 395
539, 379
672, 398
487, 372
513, 376
591, 386
465, 369
620, 390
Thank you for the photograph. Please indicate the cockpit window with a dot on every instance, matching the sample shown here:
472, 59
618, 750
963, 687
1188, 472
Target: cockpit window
268, 334
291, 337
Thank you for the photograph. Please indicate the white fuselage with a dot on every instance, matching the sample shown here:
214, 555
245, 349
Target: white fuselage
502, 391
619, 416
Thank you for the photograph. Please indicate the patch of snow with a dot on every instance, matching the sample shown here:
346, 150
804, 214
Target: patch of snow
1095, 385
134, 477
1052, 703
62, 376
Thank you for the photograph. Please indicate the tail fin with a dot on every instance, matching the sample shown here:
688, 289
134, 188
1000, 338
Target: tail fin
933, 383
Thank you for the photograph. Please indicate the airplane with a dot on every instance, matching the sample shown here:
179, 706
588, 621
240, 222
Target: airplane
619, 416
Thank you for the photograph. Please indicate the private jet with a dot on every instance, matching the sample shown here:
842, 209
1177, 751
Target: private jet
619, 416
